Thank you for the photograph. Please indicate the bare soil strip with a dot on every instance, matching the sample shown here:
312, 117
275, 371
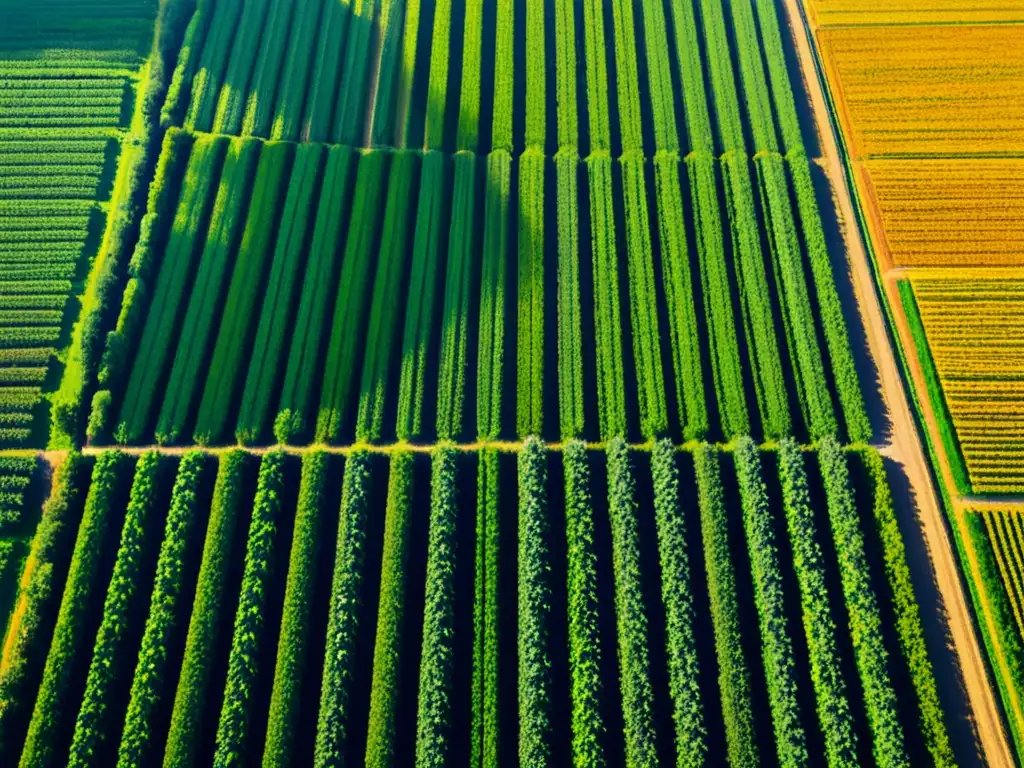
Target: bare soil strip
903, 444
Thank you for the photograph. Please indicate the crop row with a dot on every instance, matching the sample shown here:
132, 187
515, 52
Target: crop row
249, 218
393, 682
48, 182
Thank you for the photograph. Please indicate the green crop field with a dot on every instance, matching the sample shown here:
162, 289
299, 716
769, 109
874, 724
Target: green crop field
388, 606
441, 383
381, 253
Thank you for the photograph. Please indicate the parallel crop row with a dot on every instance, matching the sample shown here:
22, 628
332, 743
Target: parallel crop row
433, 725
149, 684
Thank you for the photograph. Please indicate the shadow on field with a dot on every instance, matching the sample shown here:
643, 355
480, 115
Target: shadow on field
934, 619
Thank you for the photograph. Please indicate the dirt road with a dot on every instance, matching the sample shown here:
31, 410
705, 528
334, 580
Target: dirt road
902, 444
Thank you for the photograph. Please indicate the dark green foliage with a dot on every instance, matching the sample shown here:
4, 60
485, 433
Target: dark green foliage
777, 647
833, 707
165, 615
677, 596
94, 717
862, 607
51, 706
908, 618
315, 51
387, 651
343, 618
733, 672
433, 722
259, 105
25, 645
224, 375
630, 615
159, 335
485, 748
584, 635
229, 211
249, 632
283, 720
278, 300
189, 712
387, 284
534, 614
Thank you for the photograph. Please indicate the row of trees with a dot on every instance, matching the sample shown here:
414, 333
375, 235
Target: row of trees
118, 631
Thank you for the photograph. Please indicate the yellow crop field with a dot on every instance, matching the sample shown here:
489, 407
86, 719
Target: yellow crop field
958, 212
905, 90
974, 323
833, 12
1005, 530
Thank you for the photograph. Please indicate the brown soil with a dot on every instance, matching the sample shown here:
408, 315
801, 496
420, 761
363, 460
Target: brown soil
902, 444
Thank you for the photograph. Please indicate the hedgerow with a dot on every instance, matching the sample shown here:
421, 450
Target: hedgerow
94, 717
588, 727
434, 709
862, 606
485, 747
733, 672
534, 614
630, 616
149, 681
387, 649
343, 617
419, 314
283, 719
43, 741
677, 597
247, 640
833, 706
776, 645
189, 712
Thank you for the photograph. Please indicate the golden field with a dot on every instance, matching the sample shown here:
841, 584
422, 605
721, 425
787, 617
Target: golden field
956, 212
928, 89
833, 12
974, 323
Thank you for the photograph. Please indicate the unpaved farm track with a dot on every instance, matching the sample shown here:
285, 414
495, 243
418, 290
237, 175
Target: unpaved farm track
902, 444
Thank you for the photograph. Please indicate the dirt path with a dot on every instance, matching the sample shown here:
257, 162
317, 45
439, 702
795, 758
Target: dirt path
902, 444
